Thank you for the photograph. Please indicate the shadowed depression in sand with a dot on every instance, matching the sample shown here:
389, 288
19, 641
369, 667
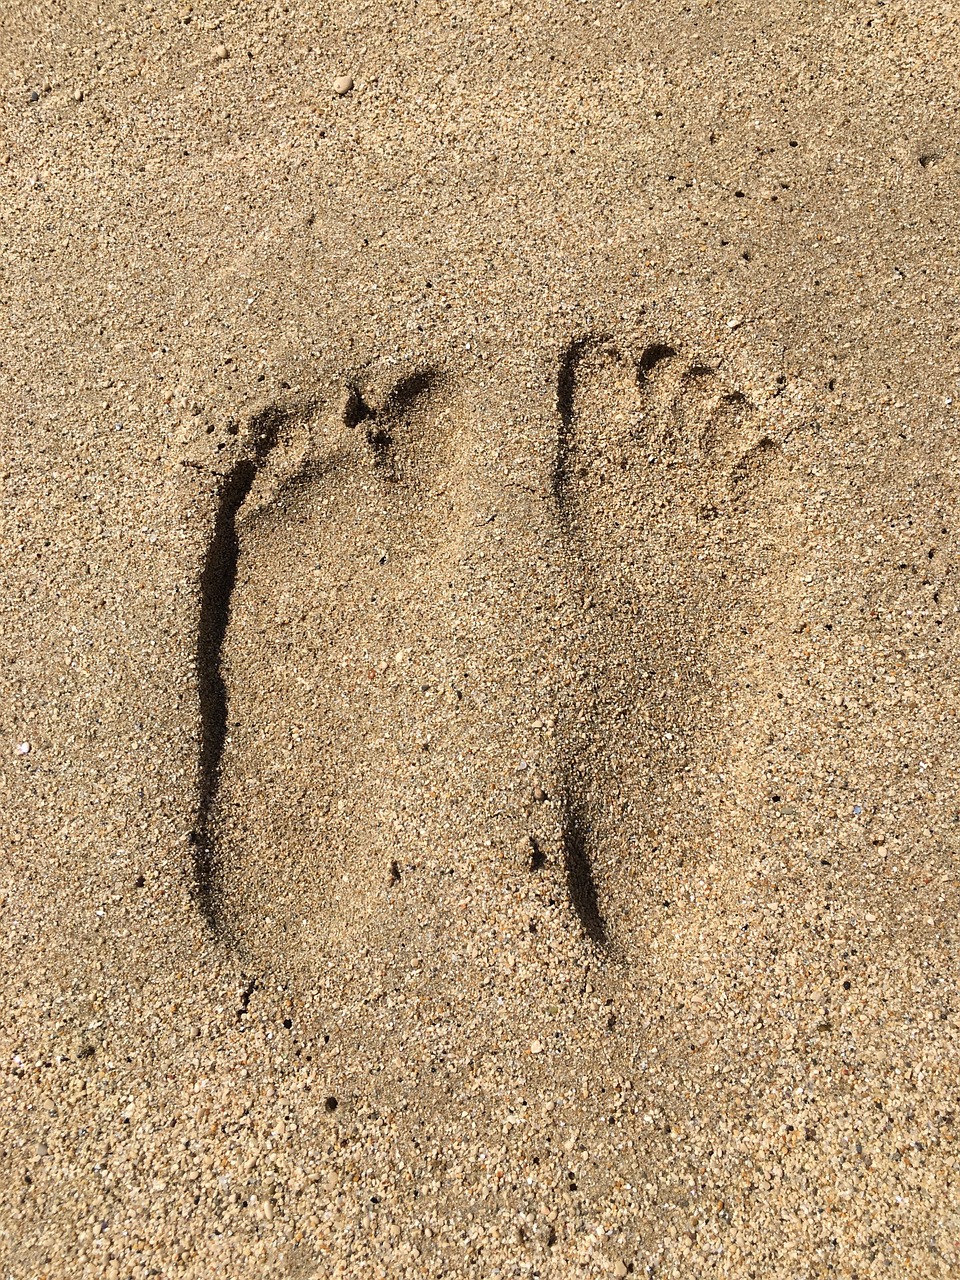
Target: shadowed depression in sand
353, 508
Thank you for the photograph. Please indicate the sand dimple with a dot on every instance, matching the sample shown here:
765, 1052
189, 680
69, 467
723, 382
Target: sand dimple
331, 529
658, 466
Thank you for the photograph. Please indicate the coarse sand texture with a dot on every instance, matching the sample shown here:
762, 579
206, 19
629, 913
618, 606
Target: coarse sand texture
479, 744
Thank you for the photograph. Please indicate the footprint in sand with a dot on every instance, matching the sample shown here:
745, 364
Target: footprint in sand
333, 524
337, 541
663, 476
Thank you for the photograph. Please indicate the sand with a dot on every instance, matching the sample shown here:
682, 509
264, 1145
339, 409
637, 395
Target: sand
478, 788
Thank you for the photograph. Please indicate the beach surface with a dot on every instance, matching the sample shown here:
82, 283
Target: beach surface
478, 640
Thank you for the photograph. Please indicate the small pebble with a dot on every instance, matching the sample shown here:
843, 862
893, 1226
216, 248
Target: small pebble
539, 794
536, 1046
619, 1268
342, 85
78, 95
22, 749
221, 52
34, 96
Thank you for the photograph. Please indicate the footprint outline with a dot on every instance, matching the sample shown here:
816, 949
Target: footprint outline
238, 509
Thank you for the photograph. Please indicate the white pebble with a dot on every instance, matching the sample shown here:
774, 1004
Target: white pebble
342, 85
22, 749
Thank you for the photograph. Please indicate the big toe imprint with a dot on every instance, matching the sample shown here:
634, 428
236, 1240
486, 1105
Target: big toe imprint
334, 526
664, 476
